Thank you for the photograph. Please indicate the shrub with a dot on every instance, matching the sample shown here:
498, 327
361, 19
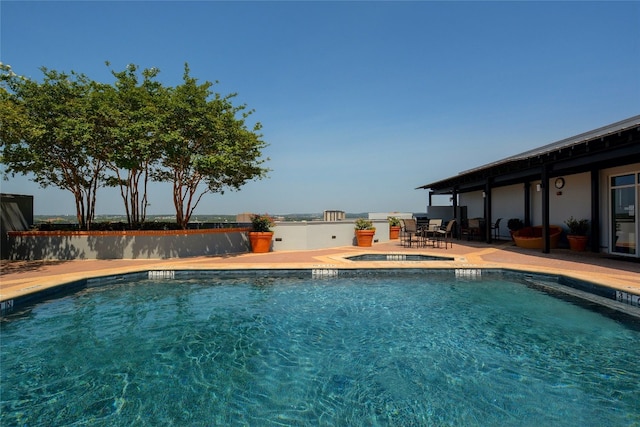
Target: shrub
515, 224
577, 227
262, 223
393, 221
364, 224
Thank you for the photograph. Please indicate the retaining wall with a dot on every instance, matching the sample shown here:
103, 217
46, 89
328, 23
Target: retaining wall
288, 236
45, 245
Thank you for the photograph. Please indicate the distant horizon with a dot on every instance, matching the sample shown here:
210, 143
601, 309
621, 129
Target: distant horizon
98, 217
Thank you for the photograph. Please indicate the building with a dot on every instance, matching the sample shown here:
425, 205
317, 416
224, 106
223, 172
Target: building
17, 215
594, 175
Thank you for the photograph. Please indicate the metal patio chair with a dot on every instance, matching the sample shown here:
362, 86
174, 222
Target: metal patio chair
446, 235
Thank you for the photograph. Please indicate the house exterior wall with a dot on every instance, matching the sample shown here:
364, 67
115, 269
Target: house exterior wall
474, 203
615, 147
574, 199
506, 203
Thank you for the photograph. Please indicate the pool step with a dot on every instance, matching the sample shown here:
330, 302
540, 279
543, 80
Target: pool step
6, 306
162, 274
469, 273
324, 272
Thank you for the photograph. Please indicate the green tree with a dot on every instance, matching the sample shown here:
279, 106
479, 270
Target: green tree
134, 111
13, 115
78, 135
51, 130
207, 145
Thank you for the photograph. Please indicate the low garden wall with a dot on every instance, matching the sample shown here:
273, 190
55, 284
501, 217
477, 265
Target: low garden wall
66, 245
288, 236
308, 235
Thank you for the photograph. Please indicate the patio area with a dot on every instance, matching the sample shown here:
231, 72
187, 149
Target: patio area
19, 278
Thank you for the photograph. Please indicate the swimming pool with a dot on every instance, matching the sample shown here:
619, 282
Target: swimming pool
367, 349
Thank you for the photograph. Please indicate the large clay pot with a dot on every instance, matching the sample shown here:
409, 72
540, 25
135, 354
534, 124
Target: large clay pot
260, 241
577, 243
365, 237
531, 237
394, 232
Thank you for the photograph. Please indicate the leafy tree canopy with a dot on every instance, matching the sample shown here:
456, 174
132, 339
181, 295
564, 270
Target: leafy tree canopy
207, 145
77, 134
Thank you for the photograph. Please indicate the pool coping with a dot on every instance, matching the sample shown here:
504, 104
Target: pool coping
621, 302
468, 257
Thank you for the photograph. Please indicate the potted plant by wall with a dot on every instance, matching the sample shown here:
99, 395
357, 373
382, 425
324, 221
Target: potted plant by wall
260, 235
364, 232
514, 224
577, 234
394, 227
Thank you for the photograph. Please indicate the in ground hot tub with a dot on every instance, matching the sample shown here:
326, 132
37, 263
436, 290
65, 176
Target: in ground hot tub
398, 257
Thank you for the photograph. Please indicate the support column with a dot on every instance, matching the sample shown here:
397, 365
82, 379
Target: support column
455, 211
595, 210
487, 211
546, 242
527, 204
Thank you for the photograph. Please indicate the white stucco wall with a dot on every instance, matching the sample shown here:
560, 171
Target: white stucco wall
574, 199
289, 236
474, 203
385, 215
506, 203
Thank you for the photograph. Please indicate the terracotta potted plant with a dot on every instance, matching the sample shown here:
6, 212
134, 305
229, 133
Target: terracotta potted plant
394, 227
577, 234
364, 232
514, 224
260, 235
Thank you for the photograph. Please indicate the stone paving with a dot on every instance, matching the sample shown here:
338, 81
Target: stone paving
19, 278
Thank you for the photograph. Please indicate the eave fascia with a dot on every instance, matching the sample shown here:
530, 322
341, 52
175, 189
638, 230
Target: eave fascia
604, 150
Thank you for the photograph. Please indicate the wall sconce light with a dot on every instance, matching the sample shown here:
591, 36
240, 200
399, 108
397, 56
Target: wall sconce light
484, 195
538, 187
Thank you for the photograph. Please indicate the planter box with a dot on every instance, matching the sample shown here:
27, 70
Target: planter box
364, 238
577, 243
531, 237
260, 241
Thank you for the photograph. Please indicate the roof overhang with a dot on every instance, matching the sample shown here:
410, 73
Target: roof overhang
613, 145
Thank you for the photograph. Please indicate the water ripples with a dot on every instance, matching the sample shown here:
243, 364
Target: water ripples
372, 351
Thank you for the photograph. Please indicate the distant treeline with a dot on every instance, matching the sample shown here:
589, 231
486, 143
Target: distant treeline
213, 218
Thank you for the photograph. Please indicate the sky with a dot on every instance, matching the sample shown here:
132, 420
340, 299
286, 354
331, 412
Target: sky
360, 102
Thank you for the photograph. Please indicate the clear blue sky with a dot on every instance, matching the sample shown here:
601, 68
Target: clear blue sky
361, 102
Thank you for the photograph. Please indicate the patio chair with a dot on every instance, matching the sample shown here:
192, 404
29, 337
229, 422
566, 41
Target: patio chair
496, 228
472, 230
431, 231
435, 225
446, 234
410, 233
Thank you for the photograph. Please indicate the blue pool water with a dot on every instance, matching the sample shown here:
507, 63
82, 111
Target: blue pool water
403, 350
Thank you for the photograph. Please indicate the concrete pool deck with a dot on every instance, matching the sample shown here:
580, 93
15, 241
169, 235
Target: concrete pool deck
20, 278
